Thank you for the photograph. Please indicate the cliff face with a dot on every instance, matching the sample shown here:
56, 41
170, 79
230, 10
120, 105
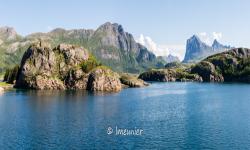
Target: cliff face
109, 43
229, 66
62, 68
197, 50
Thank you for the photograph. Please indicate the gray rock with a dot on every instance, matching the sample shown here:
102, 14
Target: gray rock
207, 71
104, 79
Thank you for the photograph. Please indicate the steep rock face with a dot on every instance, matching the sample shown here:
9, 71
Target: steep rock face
114, 44
218, 47
60, 68
208, 72
229, 66
114, 35
144, 55
197, 50
69, 56
76, 79
102, 79
44, 68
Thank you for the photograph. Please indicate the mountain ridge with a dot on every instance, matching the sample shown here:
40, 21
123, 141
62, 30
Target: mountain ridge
110, 43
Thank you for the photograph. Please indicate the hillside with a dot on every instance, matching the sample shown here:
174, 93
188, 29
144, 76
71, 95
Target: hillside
229, 66
109, 43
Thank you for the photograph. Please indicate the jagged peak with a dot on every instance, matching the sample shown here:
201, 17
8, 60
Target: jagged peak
216, 42
196, 37
109, 26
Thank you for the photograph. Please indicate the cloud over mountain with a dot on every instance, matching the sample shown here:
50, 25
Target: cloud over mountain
208, 38
162, 49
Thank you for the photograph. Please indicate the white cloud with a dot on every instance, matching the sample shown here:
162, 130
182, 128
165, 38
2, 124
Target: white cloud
209, 38
162, 49
148, 42
217, 35
205, 37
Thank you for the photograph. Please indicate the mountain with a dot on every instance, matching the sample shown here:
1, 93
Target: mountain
171, 58
219, 47
197, 50
109, 43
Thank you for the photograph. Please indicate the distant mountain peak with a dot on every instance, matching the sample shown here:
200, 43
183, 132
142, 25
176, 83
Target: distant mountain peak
216, 43
197, 49
196, 41
170, 58
195, 37
217, 46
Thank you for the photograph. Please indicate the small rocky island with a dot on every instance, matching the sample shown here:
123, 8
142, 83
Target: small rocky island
66, 67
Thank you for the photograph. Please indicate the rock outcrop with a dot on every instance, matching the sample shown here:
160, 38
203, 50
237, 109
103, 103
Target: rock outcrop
229, 66
103, 79
61, 68
208, 72
169, 75
132, 81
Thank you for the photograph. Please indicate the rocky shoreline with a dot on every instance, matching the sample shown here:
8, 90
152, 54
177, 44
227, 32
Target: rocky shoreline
229, 66
66, 67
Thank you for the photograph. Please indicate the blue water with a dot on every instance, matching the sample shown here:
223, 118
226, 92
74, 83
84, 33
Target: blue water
171, 115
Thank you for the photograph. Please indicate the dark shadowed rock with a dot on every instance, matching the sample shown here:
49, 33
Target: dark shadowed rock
207, 71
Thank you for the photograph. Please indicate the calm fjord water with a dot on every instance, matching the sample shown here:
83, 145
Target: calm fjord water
171, 115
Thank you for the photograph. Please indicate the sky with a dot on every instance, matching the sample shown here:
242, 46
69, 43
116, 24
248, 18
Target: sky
161, 25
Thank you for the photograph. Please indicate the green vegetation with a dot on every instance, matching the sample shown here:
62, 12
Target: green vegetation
90, 64
11, 74
175, 64
4, 84
229, 66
